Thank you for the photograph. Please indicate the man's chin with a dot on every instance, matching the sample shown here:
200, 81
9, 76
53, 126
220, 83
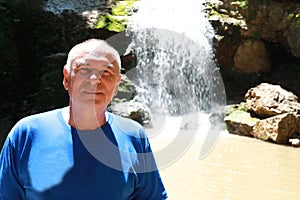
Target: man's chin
90, 102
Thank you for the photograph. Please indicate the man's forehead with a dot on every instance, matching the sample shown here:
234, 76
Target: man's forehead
96, 56
90, 61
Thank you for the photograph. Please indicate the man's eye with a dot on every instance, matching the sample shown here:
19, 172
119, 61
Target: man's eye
83, 70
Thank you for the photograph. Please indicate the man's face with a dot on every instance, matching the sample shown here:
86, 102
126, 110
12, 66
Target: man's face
92, 82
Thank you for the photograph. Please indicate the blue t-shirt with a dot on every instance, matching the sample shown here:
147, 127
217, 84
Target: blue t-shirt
45, 158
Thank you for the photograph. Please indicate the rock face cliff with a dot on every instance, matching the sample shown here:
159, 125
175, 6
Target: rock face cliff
257, 41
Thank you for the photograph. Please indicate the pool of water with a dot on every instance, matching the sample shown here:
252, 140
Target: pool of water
237, 168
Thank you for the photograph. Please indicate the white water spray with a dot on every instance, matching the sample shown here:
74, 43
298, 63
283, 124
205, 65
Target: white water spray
173, 43
176, 73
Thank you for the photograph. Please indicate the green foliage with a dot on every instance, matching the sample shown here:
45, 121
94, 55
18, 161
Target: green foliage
123, 8
101, 23
116, 20
241, 4
235, 108
126, 91
126, 85
295, 17
111, 23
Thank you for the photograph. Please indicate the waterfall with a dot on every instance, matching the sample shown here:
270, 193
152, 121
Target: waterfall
173, 43
176, 72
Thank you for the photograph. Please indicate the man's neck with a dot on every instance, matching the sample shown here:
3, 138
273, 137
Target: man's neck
84, 119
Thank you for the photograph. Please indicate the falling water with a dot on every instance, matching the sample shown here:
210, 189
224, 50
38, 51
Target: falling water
176, 75
173, 43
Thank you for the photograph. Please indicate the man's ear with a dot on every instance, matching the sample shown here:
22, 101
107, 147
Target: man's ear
66, 79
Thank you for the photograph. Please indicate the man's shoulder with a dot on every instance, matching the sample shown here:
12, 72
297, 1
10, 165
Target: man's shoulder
34, 126
42, 116
36, 121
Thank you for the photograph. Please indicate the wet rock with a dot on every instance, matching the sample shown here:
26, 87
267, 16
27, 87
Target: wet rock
278, 129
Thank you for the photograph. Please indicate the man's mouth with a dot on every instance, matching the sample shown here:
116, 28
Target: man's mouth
92, 92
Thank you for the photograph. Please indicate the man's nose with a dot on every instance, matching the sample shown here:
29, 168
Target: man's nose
95, 77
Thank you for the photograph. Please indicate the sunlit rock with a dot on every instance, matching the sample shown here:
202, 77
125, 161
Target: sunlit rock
269, 100
276, 114
295, 142
132, 110
240, 122
278, 129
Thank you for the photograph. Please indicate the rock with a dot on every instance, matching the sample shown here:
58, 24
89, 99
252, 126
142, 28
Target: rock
293, 40
295, 139
79, 6
295, 142
278, 115
269, 100
278, 129
240, 123
252, 57
132, 110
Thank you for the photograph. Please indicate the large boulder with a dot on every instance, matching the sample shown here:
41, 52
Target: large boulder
252, 57
278, 129
268, 100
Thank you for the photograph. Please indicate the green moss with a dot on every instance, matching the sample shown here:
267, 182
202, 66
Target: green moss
115, 24
241, 4
111, 23
101, 23
235, 107
238, 117
264, 137
295, 18
123, 8
116, 20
